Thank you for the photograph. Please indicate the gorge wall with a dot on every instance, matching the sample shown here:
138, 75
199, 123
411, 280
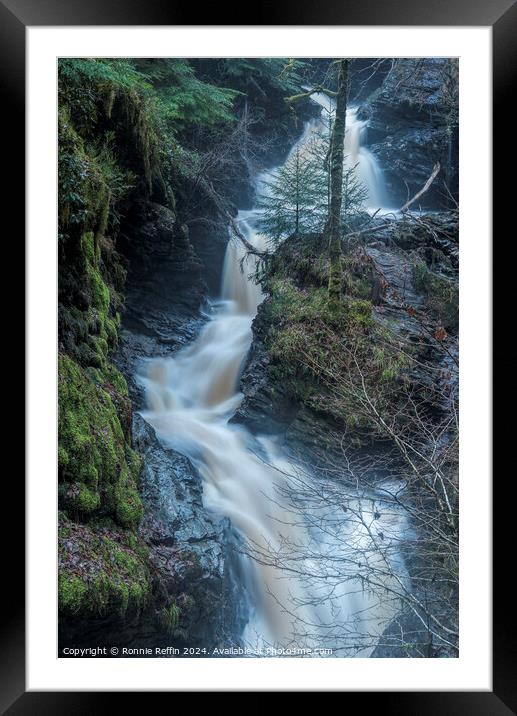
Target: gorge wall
412, 120
140, 250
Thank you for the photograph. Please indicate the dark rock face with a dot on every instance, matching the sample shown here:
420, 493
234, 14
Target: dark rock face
265, 408
209, 240
190, 549
164, 271
411, 127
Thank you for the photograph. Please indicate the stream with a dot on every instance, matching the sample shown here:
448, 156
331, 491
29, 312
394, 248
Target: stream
191, 398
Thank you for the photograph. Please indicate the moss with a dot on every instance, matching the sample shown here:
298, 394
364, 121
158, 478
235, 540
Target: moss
100, 294
99, 571
87, 356
359, 311
128, 506
441, 294
72, 593
94, 458
169, 618
113, 376
315, 348
89, 248
63, 456
78, 497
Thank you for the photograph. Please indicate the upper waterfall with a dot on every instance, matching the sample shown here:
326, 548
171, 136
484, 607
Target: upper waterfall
357, 155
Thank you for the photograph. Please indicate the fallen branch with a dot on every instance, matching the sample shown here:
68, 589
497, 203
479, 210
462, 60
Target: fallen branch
406, 206
317, 89
423, 190
220, 205
238, 233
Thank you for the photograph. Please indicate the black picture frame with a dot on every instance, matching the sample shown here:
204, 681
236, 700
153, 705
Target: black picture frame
15, 16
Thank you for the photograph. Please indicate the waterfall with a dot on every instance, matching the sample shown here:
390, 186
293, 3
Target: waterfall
190, 399
368, 170
367, 167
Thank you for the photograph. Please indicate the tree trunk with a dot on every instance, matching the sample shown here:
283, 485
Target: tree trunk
337, 150
297, 218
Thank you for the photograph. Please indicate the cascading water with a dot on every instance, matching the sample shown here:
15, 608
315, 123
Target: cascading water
368, 170
190, 399
357, 154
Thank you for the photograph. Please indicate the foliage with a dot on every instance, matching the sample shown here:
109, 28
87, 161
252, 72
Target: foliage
100, 570
295, 199
308, 340
91, 182
441, 294
183, 98
98, 470
291, 200
170, 617
263, 73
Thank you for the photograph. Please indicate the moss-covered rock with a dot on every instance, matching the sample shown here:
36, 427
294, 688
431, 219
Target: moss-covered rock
101, 569
97, 467
441, 294
318, 352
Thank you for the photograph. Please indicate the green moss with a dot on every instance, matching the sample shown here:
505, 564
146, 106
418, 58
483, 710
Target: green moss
128, 506
100, 295
71, 593
94, 458
89, 248
116, 379
99, 571
358, 311
441, 294
320, 351
78, 497
63, 456
169, 618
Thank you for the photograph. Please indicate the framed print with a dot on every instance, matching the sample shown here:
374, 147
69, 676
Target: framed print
259, 353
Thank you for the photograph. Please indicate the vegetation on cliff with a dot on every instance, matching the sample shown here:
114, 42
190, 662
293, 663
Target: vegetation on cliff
132, 134
359, 325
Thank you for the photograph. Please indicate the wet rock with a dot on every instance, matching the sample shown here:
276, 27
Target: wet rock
411, 128
189, 548
164, 271
266, 408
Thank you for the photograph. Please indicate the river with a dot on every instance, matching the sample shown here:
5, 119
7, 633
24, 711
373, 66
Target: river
191, 397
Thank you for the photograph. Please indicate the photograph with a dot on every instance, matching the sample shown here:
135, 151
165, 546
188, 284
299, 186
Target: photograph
258, 352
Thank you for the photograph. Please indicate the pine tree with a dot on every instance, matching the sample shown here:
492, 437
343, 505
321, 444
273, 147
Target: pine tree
354, 191
291, 199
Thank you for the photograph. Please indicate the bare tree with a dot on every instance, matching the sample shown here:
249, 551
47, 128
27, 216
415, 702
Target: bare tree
387, 516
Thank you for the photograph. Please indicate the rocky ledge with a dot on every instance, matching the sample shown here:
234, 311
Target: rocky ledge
415, 261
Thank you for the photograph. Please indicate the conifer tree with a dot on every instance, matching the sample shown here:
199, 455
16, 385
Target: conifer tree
291, 199
336, 157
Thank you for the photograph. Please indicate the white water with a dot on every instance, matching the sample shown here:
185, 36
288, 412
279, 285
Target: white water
367, 167
368, 170
191, 398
